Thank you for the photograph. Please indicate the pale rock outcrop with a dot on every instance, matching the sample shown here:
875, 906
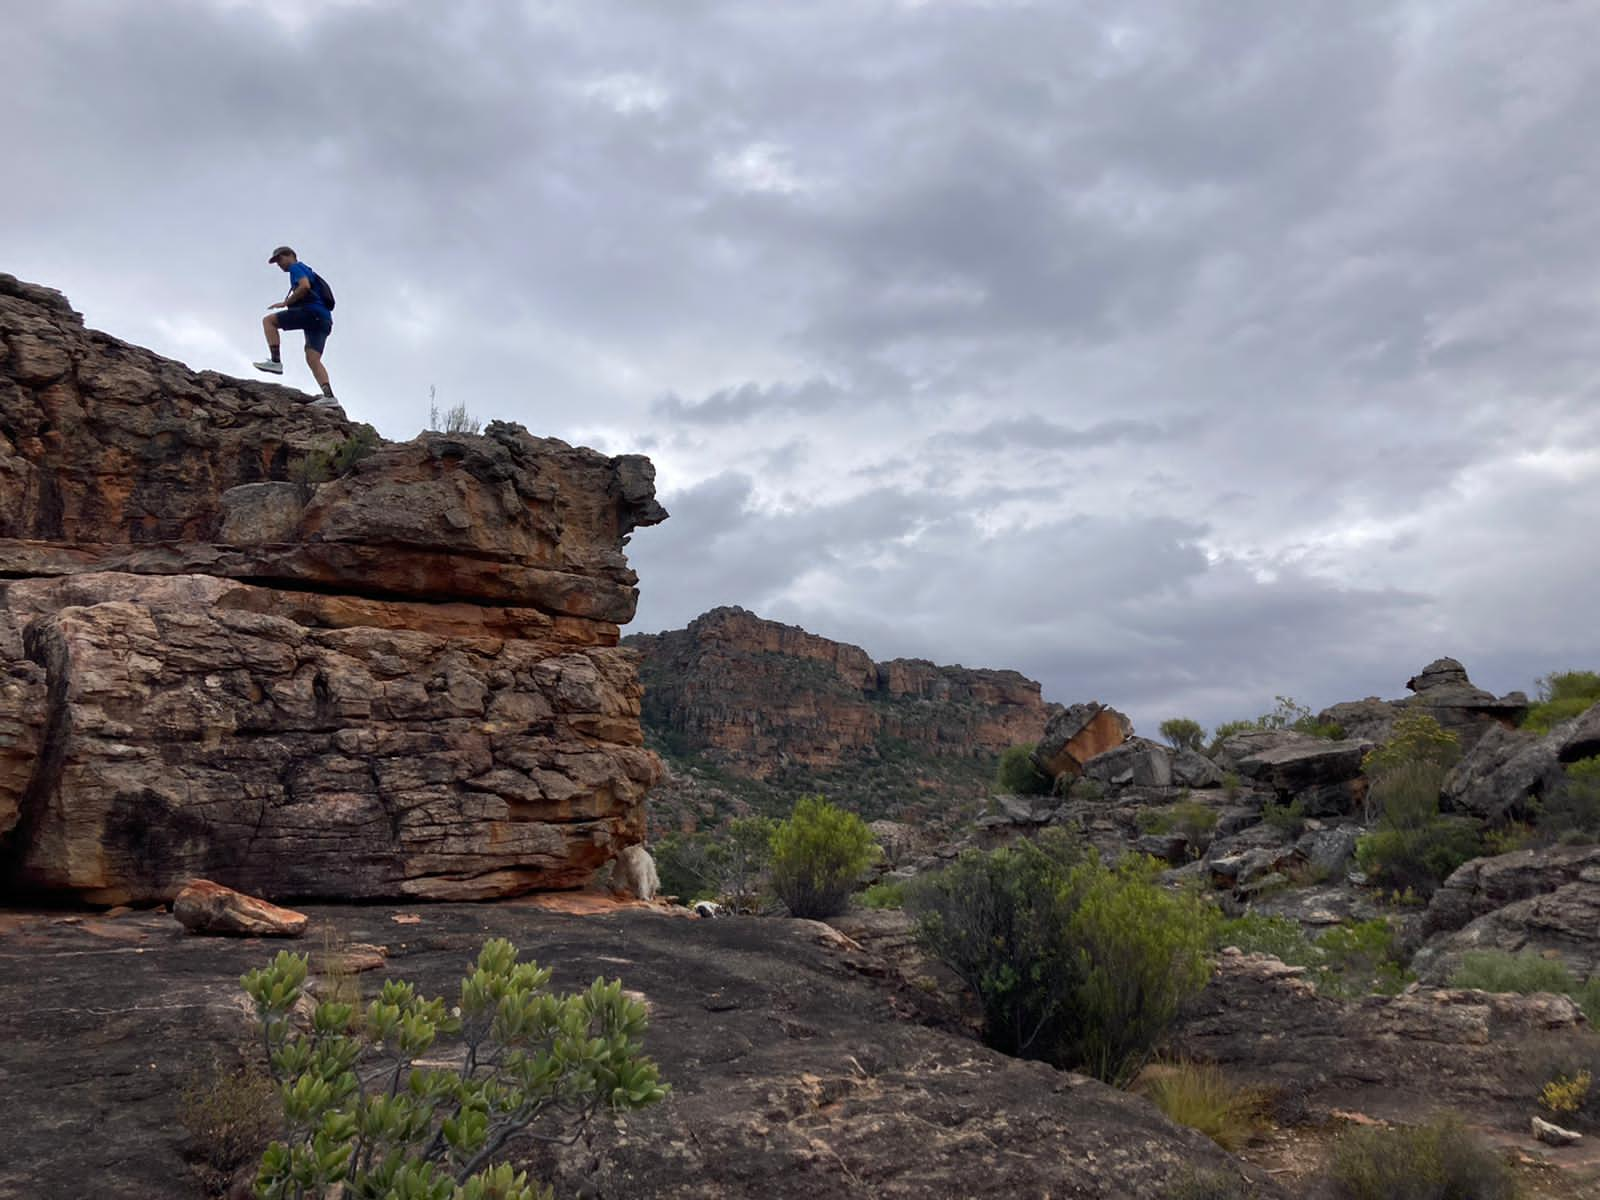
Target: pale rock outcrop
402, 680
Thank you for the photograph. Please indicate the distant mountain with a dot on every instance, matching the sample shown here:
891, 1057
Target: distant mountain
767, 712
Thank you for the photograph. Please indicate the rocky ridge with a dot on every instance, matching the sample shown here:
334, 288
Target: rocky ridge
247, 640
766, 702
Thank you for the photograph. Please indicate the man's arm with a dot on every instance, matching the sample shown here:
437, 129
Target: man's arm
300, 289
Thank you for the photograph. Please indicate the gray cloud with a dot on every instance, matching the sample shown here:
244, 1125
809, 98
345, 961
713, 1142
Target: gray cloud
1184, 353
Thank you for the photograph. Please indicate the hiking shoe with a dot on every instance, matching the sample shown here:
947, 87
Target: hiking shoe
270, 367
327, 402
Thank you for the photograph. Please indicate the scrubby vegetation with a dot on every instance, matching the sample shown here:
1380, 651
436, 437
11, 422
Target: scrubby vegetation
361, 1110
1571, 813
886, 893
729, 866
231, 1114
336, 461
1073, 961
1562, 696
1287, 714
818, 855
1183, 734
1437, 1161
1191, 820
1415, 847
1018, 776
1289, 818
1209, 1185
1201, 1096
1562, 1080
1524, 973
1352, 959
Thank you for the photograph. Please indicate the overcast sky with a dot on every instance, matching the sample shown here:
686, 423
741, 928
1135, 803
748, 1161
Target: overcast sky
1176, 354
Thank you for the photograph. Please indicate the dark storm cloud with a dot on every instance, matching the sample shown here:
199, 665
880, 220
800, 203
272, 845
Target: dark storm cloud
1177, 353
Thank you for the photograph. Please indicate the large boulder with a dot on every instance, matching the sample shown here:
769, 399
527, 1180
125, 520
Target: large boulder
1485, 884
1504, 772
1324, 776
206, 907
1561, 924
247, 640
1443, 691
1076, 735
1138, 762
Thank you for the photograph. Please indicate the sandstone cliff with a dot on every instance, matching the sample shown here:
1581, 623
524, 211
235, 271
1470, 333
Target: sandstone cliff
773, 703
245, 639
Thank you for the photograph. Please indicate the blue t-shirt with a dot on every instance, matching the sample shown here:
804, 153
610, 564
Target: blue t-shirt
313, 300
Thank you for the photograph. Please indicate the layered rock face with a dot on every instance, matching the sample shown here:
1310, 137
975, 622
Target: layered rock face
753, 694
242, 639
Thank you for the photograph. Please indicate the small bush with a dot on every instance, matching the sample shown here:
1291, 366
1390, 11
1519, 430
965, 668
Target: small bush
1562, 696
1231, 784
728, 865
231, 1115
1183, 734
1525, 973
886, 893
1437, 1161
1571, 814
817, 856
1193, 821
1072, 961
1286, 714
1414, 845
1417, 738
1290, 818
1353, 959
528, 1058
1201, 1096
1565, 1095
1017, 776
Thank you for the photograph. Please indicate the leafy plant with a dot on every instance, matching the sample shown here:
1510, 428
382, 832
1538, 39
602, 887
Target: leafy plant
886, 893
333, 462
1071, 960
1414, 845
817, 856
1183, 734
1353, 959
1017, 775
1193, 821
1437, 1161
1562, 696
1564, 1094
1290, 818
1571, 813
729, 866
1524, 973
361, 1111
1201, 1096
1417, 738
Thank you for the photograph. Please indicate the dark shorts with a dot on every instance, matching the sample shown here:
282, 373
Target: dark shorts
317, 323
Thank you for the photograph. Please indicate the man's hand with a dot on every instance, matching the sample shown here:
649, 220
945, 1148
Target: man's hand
279, 304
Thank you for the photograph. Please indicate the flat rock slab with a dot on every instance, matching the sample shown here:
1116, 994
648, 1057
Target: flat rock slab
792, 1075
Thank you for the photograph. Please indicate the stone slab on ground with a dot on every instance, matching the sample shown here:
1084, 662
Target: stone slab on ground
792, 1075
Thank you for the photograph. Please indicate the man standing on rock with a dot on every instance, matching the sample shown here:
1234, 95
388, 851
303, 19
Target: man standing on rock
305, 307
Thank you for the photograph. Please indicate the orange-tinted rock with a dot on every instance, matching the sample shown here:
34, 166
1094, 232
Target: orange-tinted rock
756, 693
1076, 735
206, 907
403, 680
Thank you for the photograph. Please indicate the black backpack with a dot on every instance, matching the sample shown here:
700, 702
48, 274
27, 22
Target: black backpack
324, 292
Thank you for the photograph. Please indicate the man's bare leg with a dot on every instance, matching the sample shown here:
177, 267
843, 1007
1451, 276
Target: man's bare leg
271, 364
318, 371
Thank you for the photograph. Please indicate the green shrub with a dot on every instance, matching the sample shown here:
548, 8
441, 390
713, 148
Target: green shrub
1437, 1161
729, 865
1072, 961
1414, 846
1497, 971
1230, 784
1562, 696
1556, 1070
1571, 813
1201, 1096
1353, 959
1018, 776
1290, 818
1417, 738
1286, 714
817, 856
1183, 734
886, 893
431, 1131
1193, 821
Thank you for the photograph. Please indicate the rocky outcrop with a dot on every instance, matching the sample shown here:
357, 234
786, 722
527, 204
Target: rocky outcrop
1485, 884
1393, 1057
1443, 691
1504, 773
247, 640
1076, 734
1563, 923
753, 695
